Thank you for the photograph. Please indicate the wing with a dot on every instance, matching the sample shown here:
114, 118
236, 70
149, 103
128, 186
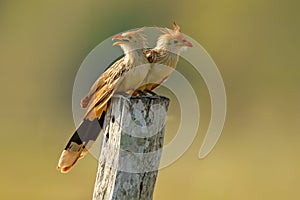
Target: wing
151, 55
104, 88
157, 56
99, 82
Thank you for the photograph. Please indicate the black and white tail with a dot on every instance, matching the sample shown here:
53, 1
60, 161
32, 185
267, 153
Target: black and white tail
80, 142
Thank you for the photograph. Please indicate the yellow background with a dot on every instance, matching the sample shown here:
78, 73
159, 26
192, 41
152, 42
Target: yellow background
255, 44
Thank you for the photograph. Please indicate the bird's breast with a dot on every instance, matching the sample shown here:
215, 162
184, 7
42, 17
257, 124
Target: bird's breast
134, 78
158, 73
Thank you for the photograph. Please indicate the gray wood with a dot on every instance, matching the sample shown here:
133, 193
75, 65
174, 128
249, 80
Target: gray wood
131, 148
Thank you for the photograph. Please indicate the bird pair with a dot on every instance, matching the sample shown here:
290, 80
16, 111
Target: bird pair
140, 69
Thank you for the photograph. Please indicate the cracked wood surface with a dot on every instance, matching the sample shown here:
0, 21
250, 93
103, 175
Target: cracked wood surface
131, 148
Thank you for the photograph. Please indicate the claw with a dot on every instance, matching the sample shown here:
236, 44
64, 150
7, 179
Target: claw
152, 93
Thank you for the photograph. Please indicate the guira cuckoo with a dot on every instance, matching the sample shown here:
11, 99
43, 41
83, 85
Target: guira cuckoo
164, 57
125, 75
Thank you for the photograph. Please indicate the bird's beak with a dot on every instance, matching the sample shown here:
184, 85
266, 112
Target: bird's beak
188, 44
120, 38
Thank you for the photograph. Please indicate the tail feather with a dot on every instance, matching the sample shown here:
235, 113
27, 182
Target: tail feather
82, 139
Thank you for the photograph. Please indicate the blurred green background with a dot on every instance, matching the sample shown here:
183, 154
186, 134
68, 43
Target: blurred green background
255, 44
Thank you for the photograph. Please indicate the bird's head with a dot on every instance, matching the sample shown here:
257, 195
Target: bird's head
131, 40
173, 41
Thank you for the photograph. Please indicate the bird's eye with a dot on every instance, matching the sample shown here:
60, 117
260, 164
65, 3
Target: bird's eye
175, 41
129, 37
183, 40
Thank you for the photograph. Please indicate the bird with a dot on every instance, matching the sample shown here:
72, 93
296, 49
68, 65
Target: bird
164, 57
125, 75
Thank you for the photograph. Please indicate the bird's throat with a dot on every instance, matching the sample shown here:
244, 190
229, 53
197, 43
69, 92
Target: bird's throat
135, 56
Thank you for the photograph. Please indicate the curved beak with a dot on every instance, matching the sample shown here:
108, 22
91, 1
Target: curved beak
120, 38
188, 44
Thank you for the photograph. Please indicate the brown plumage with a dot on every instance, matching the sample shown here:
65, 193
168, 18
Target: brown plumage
164, 57
125, 75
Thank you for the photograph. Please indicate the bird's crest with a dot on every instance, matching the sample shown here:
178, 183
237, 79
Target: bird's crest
138, 32
163, 39
176, 30
135, 32
176, 27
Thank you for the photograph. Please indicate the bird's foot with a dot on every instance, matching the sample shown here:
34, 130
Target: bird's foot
139, 93
152, 93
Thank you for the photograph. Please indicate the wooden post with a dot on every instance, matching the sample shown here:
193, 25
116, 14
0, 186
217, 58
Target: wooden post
131, 148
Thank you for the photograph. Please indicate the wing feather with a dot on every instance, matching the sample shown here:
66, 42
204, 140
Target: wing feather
104, 87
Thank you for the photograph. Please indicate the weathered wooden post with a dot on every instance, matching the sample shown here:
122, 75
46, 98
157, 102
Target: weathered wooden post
131, 148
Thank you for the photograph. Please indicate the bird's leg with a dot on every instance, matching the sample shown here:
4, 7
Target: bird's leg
150, 92
141, 93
